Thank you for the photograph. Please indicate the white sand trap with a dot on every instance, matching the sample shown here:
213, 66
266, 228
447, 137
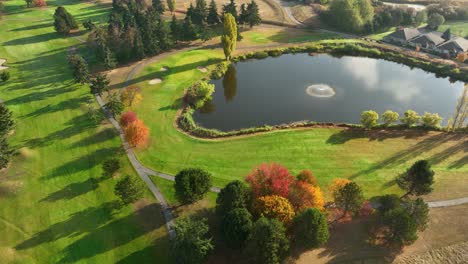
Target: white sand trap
1, 63
155, 81
164, 69
202, 69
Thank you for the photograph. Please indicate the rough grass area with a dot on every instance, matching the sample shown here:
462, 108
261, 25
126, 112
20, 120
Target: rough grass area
54, 206
459, 28
373, 159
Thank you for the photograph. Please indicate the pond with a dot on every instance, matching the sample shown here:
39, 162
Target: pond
322, 88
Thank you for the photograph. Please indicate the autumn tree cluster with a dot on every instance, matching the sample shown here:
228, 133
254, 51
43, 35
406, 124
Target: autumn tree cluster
135, 131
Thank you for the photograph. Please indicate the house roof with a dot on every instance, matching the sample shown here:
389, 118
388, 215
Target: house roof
431, 37
405, 33
458, 44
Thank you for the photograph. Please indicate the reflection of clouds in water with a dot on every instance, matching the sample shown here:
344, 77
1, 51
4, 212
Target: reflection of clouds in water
403, 89
363, 69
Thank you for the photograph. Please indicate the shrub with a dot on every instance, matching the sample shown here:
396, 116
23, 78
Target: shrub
275, 53
199, 93
220, 70
399, 228
5, 75
191, 243
129, 189
270, 179
389, 117
418, 179
308, 177
235, 195
127, 118
388, 202
236, 227
192, 184
274, 206
410, 118
260, 55
369, 119
268, 243
431, 120
303, 195
419, 211
110, 166
310, 228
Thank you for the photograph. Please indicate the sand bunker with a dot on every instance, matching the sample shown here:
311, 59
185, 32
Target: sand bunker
164, 69
155, 81
202, 69
1, 63
320, 90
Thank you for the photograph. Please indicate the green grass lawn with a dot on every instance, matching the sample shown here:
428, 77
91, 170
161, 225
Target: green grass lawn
381, 35
373, 159
459, 28
274, 36
54, 207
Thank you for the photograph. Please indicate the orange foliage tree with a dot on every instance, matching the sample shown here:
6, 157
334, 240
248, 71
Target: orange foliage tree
130, 96
136, 133
270, 179
337, 184
462, 56
308, 177
274, 206
303, 195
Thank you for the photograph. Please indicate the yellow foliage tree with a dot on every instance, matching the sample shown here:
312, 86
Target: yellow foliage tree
274, 206
130, 96
337, 184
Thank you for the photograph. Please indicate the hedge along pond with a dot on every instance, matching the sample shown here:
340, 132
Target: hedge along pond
324, 88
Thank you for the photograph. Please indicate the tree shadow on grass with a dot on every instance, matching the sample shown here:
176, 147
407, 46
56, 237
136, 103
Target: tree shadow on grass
32, 39
411, 152
79, 223
348, 244
85, 162
159, 250
174, 106
459, 163
74, 190
110, 235
346, 135
72, 103
34, 27
96, 138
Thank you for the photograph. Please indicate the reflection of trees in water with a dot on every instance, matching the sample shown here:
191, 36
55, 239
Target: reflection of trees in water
208, 107
230, 83
461, 112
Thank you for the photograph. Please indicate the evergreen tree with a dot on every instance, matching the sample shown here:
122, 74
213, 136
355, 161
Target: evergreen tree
418, 179
6, 122
190, 12
29, 3
171, 5
114, 104
163, 34
64, 21
268, 243
253, 14
100, 84
243, 15
80, 68
310, 228
158, 6
138, 48
199, 12
109, 59
213, 17
5, 153
188, 30
175, 29
229, 37
129, 189
149, 32
231, 8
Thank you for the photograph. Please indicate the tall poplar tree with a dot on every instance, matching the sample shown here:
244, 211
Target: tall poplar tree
229, 37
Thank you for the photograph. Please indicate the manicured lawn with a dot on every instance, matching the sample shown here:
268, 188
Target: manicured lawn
373, 159
54, 207
380, 36
459, 28
277, 35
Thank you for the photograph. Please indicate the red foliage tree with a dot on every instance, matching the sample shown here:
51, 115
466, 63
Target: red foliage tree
308, 177
39, 3
366, 209
136, 133
270, 179
128, 118
303, 195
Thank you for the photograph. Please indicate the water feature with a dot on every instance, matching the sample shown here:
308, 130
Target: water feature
322, 88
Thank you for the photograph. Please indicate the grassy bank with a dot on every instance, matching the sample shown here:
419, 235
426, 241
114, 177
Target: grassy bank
55, 208
373, 159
